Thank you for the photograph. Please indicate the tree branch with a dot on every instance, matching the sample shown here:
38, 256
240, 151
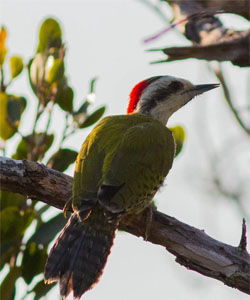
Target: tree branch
211, 40
192, 247
240, 7
235, 49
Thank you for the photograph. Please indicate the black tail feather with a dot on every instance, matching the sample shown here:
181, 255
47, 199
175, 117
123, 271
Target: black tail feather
80, 253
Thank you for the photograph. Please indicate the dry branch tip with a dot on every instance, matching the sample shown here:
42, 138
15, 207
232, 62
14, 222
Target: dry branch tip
243, 241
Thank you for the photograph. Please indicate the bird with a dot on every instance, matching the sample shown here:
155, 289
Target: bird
121, 165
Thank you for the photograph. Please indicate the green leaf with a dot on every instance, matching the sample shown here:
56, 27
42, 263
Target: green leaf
14, 222
49, 138
179, 137
93, 118
50, 35
3, 50
34, 259
21, 150
62, 159
8, 284
7, 251
30, 141
44, 142
41, 289
65, 98
46, 232
11, 108
6, 130
92, 85
16, 66
14, 109
27, 218
23, 102
11, 199
11, 222
36, 71
55, 72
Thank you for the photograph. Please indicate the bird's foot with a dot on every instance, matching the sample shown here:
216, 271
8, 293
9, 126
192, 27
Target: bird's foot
67, 206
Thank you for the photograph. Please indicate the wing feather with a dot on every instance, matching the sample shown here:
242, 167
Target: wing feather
139, 164
129, 156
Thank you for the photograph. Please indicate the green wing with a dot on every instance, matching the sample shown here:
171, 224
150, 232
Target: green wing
122, 163
138, 166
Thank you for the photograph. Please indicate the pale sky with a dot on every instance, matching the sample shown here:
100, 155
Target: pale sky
104, 39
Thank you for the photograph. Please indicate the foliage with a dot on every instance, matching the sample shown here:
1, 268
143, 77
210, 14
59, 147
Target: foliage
179, 137
25, 255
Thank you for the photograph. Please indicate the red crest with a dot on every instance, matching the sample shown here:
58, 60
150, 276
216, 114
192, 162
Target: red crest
137, 91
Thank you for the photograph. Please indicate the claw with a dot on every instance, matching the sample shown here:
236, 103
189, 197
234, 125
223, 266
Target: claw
67, 207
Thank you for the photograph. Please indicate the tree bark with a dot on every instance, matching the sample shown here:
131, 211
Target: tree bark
192, 247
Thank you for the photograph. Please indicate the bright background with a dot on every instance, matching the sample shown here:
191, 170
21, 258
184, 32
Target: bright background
104, 39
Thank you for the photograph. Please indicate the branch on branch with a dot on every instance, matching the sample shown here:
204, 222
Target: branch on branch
192, 247
211, 40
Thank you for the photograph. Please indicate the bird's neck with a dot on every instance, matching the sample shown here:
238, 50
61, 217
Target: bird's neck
159, 112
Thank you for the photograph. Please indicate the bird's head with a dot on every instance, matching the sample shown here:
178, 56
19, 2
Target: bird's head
161, 96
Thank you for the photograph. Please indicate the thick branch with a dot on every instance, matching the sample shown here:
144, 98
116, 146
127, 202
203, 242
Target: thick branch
192, 247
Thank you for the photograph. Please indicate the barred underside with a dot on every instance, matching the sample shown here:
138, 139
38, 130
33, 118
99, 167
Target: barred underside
79, 254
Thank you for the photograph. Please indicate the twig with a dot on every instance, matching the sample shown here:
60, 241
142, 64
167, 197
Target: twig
243, 240
37, 115
2, 87
219, 74
64, 130
8, 84
50, 110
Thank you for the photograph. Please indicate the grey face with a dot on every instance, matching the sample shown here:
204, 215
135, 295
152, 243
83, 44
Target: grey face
161, 90
166, 94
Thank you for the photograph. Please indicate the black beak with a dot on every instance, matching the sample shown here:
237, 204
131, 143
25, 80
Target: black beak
201, 88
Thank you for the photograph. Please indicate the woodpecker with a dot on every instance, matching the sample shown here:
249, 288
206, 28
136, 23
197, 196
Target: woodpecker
121, 165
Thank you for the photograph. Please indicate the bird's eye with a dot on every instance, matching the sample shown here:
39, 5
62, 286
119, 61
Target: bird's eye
175, 85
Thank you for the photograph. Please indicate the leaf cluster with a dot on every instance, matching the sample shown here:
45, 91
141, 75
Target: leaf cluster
25, 254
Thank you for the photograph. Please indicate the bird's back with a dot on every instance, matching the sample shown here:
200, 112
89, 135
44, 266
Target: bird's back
132, 153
